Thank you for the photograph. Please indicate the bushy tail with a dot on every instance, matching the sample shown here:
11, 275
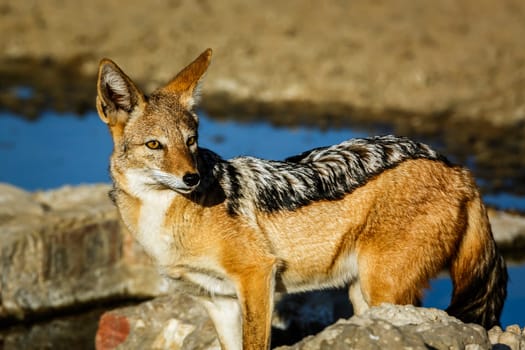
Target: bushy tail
478, 272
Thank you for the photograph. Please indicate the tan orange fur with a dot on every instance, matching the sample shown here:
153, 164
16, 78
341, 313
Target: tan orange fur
387, 237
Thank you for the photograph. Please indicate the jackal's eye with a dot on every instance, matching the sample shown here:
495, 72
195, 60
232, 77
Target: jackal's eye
153, 144
191, 141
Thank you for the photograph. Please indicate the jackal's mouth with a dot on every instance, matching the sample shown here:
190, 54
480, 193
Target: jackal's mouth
171, 182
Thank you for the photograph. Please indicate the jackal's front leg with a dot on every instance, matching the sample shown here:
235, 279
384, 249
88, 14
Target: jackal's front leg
256, 290
226, 316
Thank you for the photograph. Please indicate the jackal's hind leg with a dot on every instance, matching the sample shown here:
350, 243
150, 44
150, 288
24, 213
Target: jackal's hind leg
389, 278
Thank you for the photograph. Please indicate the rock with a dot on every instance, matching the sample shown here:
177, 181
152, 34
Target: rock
514, 328
398, 327
64, 248
113, 330
177, 321
169, 322
510, 339
494, 334
64, 333
15, 202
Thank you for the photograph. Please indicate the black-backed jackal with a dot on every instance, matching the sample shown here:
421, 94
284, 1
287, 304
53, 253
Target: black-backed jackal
383, 214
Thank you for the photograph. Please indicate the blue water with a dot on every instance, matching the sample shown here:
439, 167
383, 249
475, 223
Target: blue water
58, 150
53, 151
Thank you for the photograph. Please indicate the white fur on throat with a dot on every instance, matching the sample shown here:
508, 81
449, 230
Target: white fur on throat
150, 231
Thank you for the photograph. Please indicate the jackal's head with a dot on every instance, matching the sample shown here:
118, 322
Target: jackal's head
155, 137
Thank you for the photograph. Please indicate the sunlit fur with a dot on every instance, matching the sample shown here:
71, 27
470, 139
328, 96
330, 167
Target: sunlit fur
381, 214
327, 173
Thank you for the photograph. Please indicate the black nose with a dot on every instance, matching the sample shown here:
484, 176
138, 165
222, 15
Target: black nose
191, 179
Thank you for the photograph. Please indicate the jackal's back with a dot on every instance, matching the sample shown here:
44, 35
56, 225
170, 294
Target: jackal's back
327, 173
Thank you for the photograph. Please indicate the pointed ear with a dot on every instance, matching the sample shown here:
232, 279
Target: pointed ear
117, 95
186, 83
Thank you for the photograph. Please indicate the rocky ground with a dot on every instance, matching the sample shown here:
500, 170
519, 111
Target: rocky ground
386, 327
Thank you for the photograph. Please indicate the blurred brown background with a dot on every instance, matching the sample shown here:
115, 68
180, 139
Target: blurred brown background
427, 58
